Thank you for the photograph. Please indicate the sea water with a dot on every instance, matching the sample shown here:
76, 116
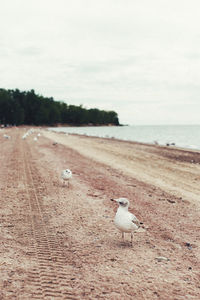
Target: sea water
184, 136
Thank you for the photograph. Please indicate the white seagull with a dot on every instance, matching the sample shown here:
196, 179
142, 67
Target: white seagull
124, 220
66, 175
6, 136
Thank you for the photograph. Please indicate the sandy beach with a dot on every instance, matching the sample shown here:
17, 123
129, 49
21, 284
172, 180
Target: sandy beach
60, 242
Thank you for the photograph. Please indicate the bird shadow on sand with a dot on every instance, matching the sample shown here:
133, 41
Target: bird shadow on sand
65, 185
121, 244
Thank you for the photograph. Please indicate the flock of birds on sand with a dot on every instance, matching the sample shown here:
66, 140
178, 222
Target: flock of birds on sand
125, 221
29, 132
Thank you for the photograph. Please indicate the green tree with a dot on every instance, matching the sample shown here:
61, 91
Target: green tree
20, 107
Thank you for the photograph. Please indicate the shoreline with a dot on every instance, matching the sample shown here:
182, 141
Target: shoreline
173, 147
142, 134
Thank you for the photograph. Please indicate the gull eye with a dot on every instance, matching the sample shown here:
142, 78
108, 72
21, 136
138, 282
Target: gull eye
121, 203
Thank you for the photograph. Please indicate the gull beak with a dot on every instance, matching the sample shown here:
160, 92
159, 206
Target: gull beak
113, 200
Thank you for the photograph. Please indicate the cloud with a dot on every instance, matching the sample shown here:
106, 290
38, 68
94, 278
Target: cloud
129, 56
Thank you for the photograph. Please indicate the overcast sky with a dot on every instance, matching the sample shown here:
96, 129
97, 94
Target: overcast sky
140, 58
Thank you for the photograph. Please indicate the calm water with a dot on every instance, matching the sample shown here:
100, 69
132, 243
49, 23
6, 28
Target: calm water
186, 136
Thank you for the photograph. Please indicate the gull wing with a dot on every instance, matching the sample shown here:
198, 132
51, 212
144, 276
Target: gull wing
135, 220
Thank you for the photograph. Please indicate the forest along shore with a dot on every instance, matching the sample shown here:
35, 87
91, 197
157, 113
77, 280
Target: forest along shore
59, 242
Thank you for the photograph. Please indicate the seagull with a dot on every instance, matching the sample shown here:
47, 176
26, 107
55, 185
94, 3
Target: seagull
124, 220
66, 175
25, 136
6, 136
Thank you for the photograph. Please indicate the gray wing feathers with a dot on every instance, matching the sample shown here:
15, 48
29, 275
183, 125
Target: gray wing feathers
135, 220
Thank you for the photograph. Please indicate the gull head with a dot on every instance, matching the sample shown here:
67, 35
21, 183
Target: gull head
68, 171
66, 174
123, 202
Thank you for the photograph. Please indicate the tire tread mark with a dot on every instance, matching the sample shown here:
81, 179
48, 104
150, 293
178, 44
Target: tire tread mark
50, 278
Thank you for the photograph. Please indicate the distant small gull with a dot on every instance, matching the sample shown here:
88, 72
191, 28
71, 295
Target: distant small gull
6, 136
124, 220
66, 175
25, 135
35, 139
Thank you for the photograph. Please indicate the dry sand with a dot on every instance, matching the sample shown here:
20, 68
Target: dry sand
59, 242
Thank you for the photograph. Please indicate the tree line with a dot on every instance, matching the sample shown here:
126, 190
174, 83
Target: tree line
26, 107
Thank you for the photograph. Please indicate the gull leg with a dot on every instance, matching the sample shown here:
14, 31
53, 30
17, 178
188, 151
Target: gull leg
123, 236
131, 239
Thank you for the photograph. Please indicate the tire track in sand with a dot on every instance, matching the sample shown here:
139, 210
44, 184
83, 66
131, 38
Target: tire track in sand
49, 280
